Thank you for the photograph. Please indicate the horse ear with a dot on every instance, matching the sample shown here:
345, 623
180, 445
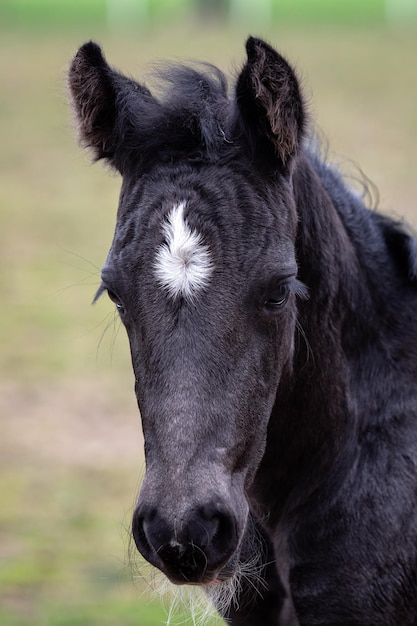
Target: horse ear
104, 102
93, 98
270, 109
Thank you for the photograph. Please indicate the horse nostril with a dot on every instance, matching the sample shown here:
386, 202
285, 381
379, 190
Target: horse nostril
140, 536
220, 528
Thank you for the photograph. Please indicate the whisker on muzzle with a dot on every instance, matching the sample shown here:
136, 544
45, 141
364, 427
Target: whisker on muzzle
200, 605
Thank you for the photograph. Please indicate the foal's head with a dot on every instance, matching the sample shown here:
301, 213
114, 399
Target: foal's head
202, 270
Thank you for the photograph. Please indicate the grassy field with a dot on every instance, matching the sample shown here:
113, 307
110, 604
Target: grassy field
70, 444
307, 11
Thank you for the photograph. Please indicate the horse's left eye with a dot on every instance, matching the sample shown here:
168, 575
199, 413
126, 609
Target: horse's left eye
278, 296
114, 298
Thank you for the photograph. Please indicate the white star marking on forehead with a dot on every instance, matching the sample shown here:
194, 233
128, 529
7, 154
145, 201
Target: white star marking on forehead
183, 263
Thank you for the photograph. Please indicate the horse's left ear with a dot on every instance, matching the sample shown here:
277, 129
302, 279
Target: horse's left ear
269, 107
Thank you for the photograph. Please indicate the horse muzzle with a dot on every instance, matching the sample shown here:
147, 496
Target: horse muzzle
198, 549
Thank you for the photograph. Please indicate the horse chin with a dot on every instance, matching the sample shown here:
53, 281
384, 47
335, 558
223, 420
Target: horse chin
223, 590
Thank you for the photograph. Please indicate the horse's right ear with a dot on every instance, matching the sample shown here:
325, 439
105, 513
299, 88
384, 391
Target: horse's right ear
93, 98
103, 100
269, 111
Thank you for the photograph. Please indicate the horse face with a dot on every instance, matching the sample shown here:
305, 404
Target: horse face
202, 270
206, 289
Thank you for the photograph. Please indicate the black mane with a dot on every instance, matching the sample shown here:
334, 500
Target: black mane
380, 237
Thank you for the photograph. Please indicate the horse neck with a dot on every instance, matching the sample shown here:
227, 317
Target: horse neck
313, 426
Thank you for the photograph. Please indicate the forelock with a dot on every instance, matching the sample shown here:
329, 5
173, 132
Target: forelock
188, 118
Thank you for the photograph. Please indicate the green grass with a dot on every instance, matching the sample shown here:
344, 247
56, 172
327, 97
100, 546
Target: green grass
70, 445
307, 11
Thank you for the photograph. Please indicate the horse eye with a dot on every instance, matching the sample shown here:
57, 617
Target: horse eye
115, 299
278, 297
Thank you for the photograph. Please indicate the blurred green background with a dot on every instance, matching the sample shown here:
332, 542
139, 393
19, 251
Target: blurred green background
70, 443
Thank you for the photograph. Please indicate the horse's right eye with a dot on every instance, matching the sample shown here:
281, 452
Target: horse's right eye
278, 297
114, 298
